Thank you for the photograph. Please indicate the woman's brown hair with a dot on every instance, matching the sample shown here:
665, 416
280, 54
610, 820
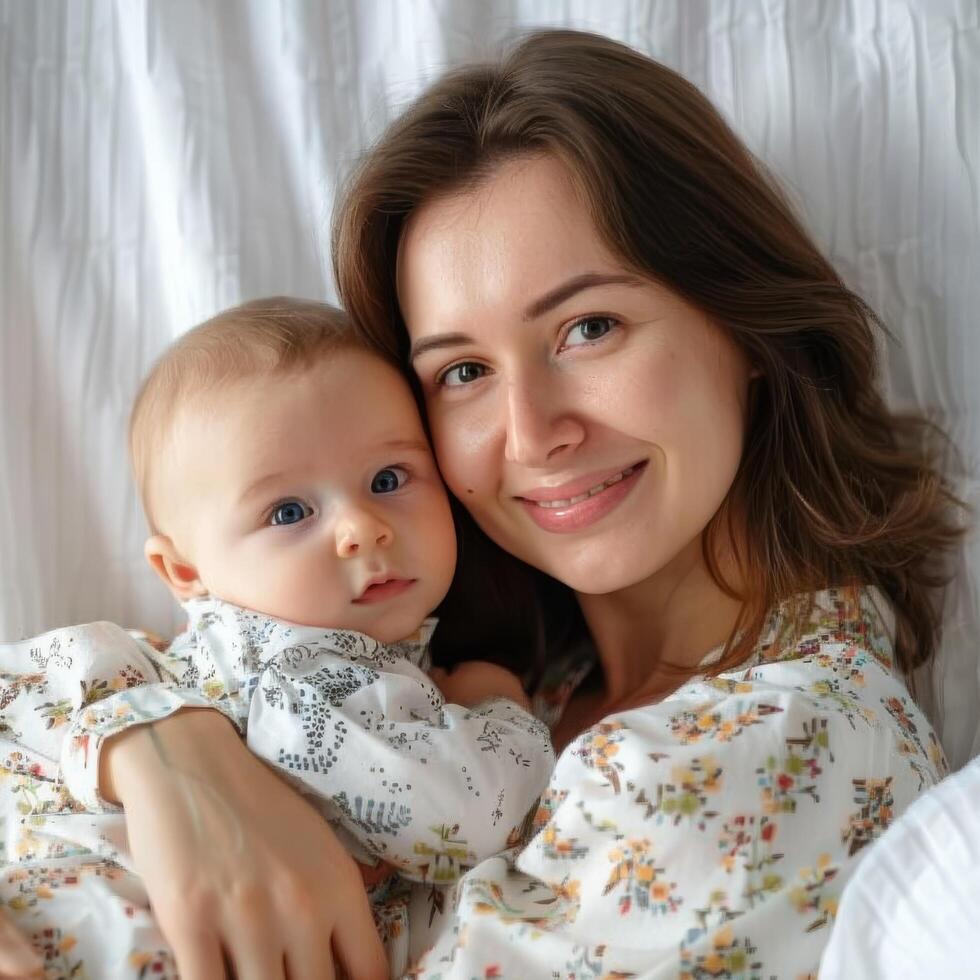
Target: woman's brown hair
833, 488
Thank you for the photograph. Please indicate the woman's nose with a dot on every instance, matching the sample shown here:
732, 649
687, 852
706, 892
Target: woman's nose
360, 532
538, 426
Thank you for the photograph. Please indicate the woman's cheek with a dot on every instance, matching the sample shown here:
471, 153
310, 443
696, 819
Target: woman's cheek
464, 445
640, 400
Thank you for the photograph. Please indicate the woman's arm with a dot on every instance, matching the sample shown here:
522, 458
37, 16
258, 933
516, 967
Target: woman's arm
239, 869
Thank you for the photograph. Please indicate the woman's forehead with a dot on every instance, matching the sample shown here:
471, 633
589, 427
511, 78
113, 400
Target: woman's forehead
517, 194
503, 244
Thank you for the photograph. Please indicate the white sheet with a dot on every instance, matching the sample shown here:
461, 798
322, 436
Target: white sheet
910, 911
161, 160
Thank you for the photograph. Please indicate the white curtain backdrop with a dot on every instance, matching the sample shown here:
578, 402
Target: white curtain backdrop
162, 159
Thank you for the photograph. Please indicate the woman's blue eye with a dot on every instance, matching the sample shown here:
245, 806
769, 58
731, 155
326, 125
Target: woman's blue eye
590, 329
290, 512
388, 480
462, 374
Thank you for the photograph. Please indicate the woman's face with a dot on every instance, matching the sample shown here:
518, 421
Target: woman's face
589, 419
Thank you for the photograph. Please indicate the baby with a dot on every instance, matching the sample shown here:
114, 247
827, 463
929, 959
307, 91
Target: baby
296, 512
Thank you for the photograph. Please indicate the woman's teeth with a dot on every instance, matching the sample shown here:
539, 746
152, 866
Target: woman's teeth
578, 498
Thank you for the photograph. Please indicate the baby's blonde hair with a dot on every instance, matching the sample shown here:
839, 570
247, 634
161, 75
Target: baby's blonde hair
277, 335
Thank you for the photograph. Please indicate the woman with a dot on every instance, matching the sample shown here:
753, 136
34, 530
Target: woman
644, 382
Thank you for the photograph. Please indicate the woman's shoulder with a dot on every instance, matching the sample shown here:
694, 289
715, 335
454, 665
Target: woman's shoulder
765, 784
821, 674
817, 712
832, 646
840, 627
829, 621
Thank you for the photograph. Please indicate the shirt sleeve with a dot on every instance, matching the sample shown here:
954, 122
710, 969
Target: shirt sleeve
64, 692
128, 682
429, 787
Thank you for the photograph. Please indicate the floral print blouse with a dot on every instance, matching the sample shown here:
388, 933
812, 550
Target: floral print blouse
708, 835
357, 725
705, 836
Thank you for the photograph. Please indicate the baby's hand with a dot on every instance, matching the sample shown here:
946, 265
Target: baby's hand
477, 680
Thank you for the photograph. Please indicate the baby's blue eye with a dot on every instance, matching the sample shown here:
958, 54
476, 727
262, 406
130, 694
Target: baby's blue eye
388, 479
290, 512
462, 374
586, 331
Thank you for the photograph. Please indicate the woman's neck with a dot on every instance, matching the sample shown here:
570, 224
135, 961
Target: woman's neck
673, 618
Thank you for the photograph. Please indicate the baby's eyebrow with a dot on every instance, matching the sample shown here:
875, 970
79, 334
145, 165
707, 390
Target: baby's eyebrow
256, 485
396, 444
406, 445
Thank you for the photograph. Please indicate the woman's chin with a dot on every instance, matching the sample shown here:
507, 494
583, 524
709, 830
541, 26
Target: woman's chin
598, 561
597, 572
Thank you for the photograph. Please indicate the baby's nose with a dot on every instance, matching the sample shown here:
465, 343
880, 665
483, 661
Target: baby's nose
361, 532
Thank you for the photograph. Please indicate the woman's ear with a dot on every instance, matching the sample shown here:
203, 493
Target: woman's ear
178, 575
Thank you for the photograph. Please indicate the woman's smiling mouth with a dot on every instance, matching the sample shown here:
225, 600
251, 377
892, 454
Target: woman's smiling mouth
578, 510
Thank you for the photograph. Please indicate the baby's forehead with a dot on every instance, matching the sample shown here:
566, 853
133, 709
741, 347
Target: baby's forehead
350, 393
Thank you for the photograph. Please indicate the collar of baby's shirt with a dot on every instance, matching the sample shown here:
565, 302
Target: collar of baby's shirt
208, 609
416, 646
201, 603
422, 637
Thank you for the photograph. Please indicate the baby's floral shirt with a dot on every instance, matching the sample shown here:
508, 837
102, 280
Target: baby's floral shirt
432, 788
708, 835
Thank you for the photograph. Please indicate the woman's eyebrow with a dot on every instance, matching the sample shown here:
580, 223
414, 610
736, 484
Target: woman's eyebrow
436, 342
587, 280
551, 299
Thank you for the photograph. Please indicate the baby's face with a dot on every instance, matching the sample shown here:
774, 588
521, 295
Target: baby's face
314, 498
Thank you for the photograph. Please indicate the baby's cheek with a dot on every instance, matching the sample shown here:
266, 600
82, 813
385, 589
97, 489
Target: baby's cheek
295, 586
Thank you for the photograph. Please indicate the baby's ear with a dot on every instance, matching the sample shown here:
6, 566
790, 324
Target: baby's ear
178, 575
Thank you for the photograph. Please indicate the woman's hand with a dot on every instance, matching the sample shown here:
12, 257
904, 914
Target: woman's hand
18, 958
244, 877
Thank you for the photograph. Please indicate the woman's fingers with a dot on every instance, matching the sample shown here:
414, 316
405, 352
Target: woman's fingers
18, 958
309, 957
356, 944
251, 962
226, 850
255, 931
198, 956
